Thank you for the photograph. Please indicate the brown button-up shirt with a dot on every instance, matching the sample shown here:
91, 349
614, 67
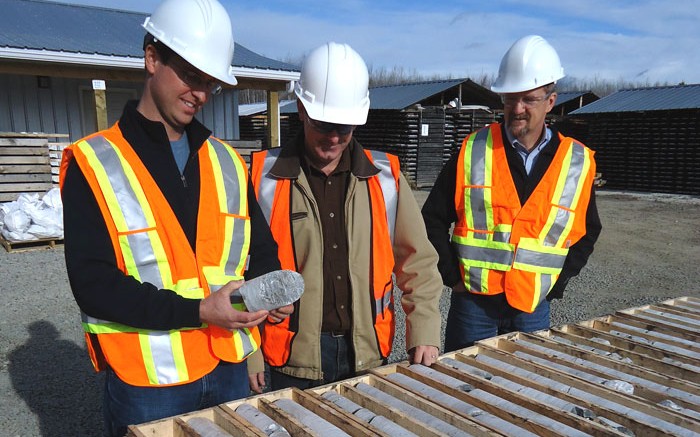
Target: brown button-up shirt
329, 192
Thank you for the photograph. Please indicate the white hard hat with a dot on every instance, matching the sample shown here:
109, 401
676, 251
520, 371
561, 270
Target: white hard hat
528, 64
199, 31
333, 85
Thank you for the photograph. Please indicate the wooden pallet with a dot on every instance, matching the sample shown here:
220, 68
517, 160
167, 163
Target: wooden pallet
25, 163
23, 246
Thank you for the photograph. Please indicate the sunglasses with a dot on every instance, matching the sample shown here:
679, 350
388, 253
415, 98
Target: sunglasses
324, 127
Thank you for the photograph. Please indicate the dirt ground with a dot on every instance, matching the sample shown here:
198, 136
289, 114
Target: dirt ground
649, 251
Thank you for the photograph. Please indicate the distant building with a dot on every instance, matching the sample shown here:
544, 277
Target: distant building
422, 123
646, 139
53, 55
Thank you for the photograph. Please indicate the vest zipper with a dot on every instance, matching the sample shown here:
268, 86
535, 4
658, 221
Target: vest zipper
184, 181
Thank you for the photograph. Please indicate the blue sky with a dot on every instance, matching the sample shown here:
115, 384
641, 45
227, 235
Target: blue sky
640, 41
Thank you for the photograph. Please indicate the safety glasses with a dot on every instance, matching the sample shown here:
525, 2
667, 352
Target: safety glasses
324, 127
528, 101
193, 78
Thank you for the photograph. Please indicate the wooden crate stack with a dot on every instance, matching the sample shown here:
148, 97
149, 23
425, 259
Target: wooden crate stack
28, 162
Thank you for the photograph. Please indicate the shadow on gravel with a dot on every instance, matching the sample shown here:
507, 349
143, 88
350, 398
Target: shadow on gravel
56, 380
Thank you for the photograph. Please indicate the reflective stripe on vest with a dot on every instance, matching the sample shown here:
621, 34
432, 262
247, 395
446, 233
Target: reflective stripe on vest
267, 185
232, 203
145, 258
390, 191
488, 246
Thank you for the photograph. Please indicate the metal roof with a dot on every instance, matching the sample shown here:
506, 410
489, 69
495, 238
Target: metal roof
404, 95
566, 96
398, 97
646, 99
63, 32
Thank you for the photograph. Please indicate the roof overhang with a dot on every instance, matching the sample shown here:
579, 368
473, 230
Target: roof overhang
25, 61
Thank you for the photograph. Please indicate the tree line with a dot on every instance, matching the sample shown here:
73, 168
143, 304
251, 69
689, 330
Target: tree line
397, 75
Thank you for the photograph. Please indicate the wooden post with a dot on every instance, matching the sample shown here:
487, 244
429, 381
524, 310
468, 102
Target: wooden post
100, 103
273, 119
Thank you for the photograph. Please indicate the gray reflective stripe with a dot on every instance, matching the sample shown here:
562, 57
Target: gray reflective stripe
236, 297
146, 262
162, 352
545, 285
229, 175
134, 216
557, 228
232, 189
381, 304
475, 279
484, 254
266, 191
501, 237
247, 345
128, 202
571, 184
477, 161
539, 259
389, 190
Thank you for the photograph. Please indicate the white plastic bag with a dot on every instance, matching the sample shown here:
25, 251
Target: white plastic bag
31, 218
17, 221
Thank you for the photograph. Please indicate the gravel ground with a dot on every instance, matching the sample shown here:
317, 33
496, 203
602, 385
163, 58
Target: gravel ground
649, 251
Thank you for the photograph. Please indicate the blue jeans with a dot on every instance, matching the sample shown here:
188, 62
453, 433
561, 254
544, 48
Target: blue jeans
337, 362
125, 404
474, 317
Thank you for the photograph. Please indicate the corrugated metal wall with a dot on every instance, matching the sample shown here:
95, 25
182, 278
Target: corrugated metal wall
58, 108
655, 151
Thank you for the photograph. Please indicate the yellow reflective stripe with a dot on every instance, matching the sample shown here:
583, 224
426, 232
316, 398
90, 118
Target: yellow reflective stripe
239, 306
148, 361
245, 343
104, 327
179, 355
536, 292
189, 288
128, 255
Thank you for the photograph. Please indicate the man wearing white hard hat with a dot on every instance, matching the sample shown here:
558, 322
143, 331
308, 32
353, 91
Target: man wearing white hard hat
345, 218
520, 196
161, 226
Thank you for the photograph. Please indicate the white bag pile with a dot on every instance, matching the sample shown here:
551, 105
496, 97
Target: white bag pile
30, 218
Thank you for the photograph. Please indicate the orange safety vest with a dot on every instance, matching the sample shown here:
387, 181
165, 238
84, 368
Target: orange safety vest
503, 246
274, 195
150, 245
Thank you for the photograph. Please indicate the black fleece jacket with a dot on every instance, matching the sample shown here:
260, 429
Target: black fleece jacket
439, 214
99, 287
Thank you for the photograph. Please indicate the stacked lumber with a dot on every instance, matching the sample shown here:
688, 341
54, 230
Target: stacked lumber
635, 372
25, 164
